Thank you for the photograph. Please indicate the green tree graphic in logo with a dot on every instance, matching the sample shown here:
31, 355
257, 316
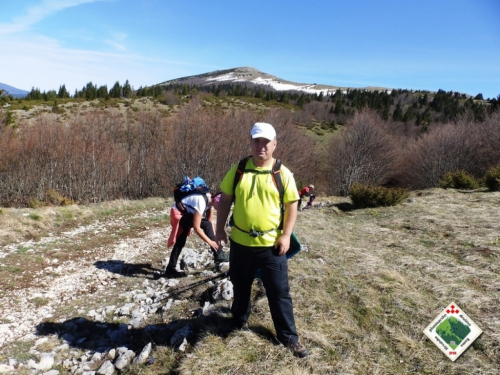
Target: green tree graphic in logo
452, 331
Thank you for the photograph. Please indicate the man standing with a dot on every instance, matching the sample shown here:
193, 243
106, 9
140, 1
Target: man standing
261, 234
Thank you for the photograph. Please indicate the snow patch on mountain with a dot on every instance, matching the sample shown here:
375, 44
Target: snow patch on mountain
273, 82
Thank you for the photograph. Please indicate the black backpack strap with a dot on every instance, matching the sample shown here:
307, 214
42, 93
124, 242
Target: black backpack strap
237, 177
276, 173
277, 178
239, 173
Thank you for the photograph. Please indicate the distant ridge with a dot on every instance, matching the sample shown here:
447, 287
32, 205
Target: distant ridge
16, 93
253, 77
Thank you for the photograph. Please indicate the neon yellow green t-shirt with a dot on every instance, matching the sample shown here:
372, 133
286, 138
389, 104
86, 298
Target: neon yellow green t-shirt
257, 203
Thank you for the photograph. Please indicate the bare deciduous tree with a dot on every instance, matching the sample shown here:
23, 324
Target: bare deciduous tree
102, 155
208, 142
203, 143
462, 145
363, 153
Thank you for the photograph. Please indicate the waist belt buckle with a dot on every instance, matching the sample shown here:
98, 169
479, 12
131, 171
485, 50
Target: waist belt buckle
253, 233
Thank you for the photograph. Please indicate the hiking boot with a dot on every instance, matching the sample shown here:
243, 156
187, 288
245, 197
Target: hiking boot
298, 350
173, 273
221, 256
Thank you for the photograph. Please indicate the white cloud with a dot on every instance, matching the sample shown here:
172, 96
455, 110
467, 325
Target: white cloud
117, 41
36, 13
43, 63
30, 60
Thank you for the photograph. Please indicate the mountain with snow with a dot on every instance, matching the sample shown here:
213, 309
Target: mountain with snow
252, 77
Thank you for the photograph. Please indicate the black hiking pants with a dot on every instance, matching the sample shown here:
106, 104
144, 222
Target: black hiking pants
243, 262
186, 223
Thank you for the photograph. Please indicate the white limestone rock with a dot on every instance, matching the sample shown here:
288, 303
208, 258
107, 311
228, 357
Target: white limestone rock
107, 368
144, 355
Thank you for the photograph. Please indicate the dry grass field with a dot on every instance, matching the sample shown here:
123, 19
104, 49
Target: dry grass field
365, 286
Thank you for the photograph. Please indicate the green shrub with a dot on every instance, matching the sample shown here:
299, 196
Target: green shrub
492, 178
375, 196
35, 217
10, 119
36, 203
53, 197
458, 180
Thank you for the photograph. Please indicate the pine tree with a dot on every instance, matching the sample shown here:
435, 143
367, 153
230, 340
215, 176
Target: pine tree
102, 92
409, 115
90, 91
62, 93
398, 112
385, 113
339, 106
157, 91
34, 94
426, 117
116, 91
301, 100
127, 90
418, 120
285, 98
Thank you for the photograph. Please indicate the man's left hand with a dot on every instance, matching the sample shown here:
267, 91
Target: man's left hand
283, 244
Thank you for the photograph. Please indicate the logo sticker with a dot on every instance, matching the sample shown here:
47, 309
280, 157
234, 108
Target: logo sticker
452, 331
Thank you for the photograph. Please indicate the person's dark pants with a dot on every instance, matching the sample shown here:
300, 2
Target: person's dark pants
243, 262
186, 223
312, 197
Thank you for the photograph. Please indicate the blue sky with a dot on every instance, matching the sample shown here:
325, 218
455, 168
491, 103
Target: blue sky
452, 45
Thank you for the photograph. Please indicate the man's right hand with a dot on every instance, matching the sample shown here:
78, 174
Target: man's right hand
220, 237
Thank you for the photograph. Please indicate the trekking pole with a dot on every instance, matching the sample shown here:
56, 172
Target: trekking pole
195, 284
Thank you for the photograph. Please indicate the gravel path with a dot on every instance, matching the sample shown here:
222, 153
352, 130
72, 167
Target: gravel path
58, 284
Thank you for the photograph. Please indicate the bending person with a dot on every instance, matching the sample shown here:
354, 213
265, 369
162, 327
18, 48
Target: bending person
197, 213
307, 191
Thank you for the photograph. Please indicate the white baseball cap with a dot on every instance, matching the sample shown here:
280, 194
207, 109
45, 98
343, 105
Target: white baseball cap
263, 130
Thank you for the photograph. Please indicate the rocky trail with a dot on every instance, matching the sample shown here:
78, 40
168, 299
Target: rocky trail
101, 311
